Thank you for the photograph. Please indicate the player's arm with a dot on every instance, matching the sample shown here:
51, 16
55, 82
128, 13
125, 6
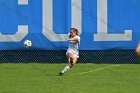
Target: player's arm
74, 39
138, 48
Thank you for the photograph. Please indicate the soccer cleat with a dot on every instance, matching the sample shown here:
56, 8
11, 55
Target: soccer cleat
60, 73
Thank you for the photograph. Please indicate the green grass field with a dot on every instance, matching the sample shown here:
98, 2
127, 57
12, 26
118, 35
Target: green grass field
82, 78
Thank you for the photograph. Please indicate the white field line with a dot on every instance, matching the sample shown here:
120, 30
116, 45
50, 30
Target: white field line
94, 70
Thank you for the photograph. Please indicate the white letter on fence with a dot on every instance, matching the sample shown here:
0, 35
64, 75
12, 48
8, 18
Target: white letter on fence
48, 21
20, 34
102, 22
77, 14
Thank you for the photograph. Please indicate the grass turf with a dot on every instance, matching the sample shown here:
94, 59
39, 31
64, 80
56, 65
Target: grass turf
43, 78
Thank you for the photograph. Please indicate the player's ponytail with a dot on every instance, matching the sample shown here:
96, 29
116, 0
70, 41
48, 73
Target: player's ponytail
76, 30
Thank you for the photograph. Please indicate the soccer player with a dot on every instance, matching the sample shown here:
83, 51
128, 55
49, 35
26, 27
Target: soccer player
72, 51
138, 49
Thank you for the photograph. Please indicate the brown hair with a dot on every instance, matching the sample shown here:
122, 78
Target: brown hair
74, 29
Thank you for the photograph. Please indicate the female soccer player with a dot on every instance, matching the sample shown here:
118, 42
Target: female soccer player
72, 51
138, 49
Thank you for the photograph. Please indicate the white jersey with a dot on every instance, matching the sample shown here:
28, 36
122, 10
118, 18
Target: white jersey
74, 45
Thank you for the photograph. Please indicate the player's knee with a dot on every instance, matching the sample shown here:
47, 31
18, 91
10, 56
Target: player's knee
69, 55
71, 60
71, 65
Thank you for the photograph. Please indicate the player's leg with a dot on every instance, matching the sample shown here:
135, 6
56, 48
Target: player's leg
137, 50
73, 60
70, 64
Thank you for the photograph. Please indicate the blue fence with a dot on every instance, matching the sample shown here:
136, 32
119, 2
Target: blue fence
102, 24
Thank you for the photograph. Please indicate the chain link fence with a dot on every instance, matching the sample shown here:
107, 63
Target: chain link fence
59, 56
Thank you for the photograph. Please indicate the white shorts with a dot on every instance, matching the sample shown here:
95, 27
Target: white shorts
74, 53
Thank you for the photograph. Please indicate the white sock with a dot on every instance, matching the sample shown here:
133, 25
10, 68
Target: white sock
65, 69
69, 60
